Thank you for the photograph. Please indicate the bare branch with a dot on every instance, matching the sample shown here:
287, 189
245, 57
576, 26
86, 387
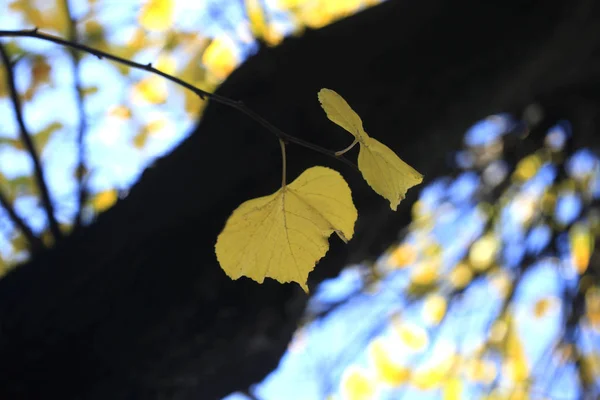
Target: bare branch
82, 128
237, 105
35, 243
28, 143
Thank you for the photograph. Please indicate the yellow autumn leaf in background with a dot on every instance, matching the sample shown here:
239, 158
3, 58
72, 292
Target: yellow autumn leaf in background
412, 336
105, 199
219, 58
152, 89
383, 170
157, 15
357, 384
434, 309
582, 246
453, 389
283, 235
388, 370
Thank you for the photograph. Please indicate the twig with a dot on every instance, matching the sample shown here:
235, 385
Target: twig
35, 242
28, 143
237, 105
82, 128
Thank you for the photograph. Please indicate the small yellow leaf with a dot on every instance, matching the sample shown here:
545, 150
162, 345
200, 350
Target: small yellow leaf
483, 252
219, 58
453, 389
412, 336
152, 89
543, 306
434, 309
357, 384
383, 170
104, 200
582, 246
388, 370
157, 15
283, 235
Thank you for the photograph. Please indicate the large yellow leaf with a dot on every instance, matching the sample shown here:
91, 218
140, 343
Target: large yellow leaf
383, 170
283, 235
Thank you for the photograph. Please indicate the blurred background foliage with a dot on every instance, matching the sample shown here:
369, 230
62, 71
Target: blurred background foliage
492, 291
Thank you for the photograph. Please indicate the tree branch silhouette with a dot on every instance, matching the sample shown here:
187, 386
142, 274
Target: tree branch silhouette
35, 242
237, 105
29, 146
82, 126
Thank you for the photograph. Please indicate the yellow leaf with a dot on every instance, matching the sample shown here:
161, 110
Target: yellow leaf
104, 200
157, 15
582, 246
283, 235
460, 276
412, 336
434, 309
404, 255
453, 389
219, 58
388, 370
383, 170
40, 71
483, 252
120, 111
42, 137
152, 89
357, 384
543, 306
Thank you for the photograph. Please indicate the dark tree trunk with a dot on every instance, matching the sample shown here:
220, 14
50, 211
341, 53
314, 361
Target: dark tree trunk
135, 305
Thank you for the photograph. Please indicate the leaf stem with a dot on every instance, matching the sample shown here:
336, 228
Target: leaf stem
283, 163
347, 149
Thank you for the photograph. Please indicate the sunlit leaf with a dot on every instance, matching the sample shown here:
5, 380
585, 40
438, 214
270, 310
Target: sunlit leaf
403, 255
157, 15
383, 170
453, 389
482, 253
543, 306
516, 365
460, 276
582, 246
434, 309
152, 89
388, 370
120, 111
357, 384
219, 58
105, 199
480, 371
411, 335
283, 235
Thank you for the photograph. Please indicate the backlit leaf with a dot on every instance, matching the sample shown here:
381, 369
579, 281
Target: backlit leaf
283, 235
157, 15
357, 384
434, 309
388, 370
105, 199
383, 170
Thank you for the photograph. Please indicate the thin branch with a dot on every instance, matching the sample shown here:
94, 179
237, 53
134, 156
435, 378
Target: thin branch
82, 128
35, 243
29, 146
237, 105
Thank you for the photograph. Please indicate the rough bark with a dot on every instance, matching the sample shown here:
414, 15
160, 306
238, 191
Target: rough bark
135, 305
